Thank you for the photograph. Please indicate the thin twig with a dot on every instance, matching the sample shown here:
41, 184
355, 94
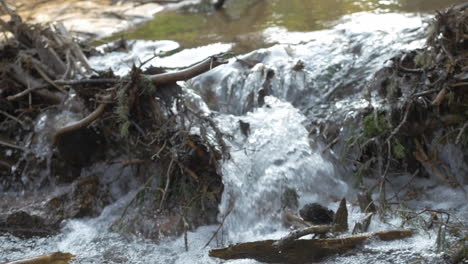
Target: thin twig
460, 134
331, 144
26, 91
13, 118
168, 180
10, 145
87, 81
219, 227
425, 93
459, 84
47, 79
403, 121
406, 185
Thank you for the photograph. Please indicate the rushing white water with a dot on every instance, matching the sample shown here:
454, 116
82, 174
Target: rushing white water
276, 154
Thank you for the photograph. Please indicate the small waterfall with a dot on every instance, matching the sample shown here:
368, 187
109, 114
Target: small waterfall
275, 155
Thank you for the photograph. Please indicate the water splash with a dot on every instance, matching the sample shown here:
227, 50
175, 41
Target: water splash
274, 156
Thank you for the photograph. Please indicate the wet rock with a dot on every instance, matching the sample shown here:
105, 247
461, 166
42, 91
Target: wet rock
81, 148
244, 127
82, 199
41, 214
316, 214
25, 225
341, 217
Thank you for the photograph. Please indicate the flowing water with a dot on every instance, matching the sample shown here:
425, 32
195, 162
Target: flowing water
340, 46
248, 23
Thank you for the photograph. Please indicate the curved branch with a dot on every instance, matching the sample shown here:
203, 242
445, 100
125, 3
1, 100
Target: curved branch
79, 124
188, 73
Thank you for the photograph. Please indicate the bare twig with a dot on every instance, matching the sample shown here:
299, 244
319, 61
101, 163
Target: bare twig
10, 145
460, 134
188, 73
403, 121
440, 97
13, 118
26, 92
47, 79
87, 81
168, 180
404, 186
331, 144
5, 165
220, 225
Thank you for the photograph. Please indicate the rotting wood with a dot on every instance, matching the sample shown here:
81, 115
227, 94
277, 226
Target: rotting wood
302, 250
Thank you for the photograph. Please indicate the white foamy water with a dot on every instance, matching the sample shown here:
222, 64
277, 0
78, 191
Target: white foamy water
275, 155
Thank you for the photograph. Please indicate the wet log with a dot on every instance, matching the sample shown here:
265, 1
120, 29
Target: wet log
53, 258
302, 250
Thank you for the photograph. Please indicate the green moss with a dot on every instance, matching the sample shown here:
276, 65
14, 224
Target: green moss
423, 60
148, 85
362, 169
375, 126
399, 150
123, 112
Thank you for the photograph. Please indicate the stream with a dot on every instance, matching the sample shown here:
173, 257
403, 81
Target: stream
338, 45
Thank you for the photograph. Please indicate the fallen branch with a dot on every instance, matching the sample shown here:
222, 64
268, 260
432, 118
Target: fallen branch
172, 77
161, 78
302, 250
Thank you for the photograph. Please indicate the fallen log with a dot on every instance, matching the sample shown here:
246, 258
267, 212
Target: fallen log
302, 250
53, 258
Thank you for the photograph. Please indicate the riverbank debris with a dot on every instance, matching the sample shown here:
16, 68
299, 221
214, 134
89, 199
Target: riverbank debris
78, 122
